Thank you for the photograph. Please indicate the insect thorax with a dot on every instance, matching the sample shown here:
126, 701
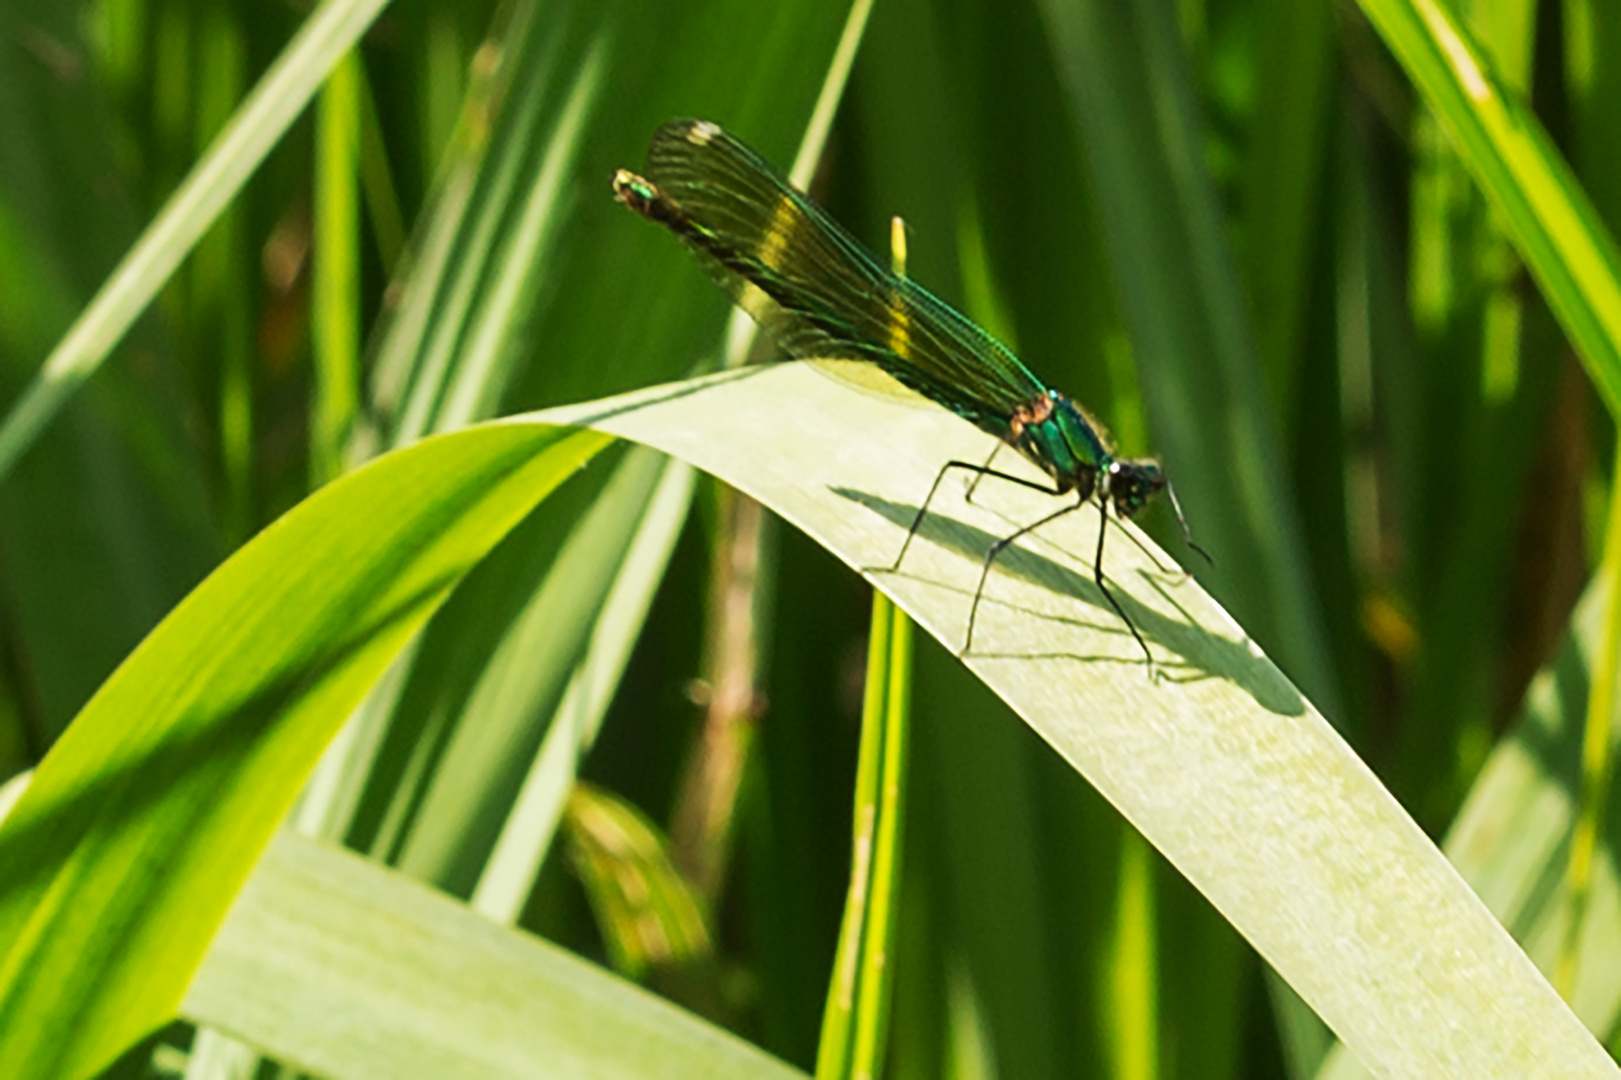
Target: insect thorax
1051, 432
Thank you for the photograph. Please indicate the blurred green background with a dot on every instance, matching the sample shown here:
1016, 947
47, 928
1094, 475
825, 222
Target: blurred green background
1228, 227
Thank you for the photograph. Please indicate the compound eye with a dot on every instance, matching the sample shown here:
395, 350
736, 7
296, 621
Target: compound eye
1133, 484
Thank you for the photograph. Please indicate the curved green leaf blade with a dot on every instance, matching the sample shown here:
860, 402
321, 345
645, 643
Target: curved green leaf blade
143, 821
1220, 763
1511, 840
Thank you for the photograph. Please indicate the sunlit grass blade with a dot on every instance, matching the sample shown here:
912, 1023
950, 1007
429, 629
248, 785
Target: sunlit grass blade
1127, 73
1534, 781
1221, 764
856, 1019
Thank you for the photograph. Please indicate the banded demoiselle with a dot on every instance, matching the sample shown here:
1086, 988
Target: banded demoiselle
822, 295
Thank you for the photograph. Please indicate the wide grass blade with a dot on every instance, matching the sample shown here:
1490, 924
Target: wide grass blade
347, 969
1512, 839
1220, 762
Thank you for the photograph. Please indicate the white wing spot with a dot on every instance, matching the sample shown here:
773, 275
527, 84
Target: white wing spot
701, 132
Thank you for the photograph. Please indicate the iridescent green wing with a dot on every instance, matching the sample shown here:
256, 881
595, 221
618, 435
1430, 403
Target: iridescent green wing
815, 288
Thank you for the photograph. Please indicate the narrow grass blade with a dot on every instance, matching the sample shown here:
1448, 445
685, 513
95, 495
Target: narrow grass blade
336, 313
855, 1021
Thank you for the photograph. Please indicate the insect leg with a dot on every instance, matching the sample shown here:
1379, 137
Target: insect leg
1097, 576
1187, 534
941, 475
973, 485
990, 557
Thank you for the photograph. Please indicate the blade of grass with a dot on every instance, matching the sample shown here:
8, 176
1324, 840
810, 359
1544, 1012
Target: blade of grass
335, 318
351, 970
1598, 765
1513, 837
1128, 79
855, 1020
1220, 764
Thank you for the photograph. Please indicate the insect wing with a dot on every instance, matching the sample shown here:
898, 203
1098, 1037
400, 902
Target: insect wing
816, 289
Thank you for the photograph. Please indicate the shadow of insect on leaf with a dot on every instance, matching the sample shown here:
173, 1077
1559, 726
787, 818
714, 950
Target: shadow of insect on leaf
1200, 653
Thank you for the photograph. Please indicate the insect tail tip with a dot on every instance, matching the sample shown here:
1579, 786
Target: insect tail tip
636, 192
